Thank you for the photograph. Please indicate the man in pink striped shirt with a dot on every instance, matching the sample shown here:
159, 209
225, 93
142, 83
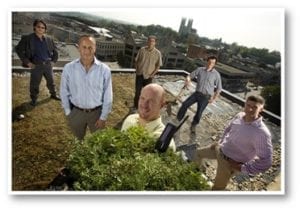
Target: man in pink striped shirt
246, 145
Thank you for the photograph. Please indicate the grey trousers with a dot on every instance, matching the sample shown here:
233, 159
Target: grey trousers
79, 121
36, 77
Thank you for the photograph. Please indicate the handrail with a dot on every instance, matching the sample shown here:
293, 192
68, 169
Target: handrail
230, 96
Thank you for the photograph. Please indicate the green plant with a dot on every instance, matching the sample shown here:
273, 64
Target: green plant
272, 95
113, 160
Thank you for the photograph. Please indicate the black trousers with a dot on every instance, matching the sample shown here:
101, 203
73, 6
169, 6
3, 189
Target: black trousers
140, 82
202, 102
37, 73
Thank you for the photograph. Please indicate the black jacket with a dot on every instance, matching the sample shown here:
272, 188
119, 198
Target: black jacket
25, 49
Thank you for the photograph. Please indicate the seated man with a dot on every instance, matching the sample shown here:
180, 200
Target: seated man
246, 145
151, 100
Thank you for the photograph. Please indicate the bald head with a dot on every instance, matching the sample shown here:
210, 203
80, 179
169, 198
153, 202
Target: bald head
157, 90
86, 37
151, 100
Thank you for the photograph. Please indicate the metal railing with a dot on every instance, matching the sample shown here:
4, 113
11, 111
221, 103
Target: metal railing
226, 94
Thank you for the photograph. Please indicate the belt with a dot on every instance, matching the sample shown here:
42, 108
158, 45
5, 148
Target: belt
87, 110
42, 62
226, 157
205, 95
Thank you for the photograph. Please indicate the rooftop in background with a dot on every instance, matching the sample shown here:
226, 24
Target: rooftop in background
102, 31
229, 70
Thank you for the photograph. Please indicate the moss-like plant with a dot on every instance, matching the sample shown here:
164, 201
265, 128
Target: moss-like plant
111, 160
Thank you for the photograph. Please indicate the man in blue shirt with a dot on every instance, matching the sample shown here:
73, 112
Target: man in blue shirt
209, 86
86, 90
37, 51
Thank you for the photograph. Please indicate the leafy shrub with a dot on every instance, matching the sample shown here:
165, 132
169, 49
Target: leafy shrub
114, 160
272, 96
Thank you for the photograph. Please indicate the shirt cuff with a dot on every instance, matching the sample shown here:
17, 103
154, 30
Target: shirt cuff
244, 170
67, 112
102, 118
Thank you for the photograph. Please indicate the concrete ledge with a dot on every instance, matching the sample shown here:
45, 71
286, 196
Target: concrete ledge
226, 94
234, 98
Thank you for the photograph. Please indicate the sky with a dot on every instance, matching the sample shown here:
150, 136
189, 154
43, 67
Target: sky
250, 27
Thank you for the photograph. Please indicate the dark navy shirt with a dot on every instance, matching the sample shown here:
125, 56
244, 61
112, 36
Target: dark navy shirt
41, 52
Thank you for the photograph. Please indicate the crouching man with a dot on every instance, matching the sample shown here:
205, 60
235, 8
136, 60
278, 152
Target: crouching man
246, 145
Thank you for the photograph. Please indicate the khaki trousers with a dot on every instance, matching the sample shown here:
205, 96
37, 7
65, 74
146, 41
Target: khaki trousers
224, 170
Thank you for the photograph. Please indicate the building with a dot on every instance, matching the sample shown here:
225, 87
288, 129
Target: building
172, 58
133, 43
200, 52
182, 26
185, 29
107, 49
189, 26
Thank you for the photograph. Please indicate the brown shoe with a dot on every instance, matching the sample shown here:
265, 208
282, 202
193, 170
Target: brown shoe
193, 128
55, 97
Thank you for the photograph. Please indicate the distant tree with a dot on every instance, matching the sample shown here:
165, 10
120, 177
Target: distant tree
158, 31
235, 49
262, 55
273, 100
189, 65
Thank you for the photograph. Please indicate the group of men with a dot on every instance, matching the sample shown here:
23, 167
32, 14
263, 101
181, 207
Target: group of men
87, 97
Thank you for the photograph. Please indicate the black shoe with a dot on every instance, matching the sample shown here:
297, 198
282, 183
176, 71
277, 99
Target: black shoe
193, 128
33, 103
55, 97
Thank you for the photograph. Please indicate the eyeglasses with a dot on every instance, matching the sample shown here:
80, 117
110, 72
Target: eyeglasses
42, 27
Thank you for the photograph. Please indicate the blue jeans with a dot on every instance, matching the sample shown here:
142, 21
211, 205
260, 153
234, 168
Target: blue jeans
202, 101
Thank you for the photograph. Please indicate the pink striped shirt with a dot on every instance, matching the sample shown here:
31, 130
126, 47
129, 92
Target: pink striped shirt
249, 143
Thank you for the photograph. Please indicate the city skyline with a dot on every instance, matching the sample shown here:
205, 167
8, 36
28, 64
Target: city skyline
259, 28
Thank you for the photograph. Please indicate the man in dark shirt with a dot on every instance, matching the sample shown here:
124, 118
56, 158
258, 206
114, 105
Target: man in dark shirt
37, 51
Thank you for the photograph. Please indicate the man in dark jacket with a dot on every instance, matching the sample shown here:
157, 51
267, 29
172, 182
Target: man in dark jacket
37, 51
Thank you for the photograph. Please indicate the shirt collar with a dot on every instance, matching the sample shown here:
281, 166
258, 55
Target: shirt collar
255, 123
96, 61
35, 36
150, 125
153, 124
213, 69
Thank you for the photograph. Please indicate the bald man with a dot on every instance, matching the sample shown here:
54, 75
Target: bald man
86, 90
151, 100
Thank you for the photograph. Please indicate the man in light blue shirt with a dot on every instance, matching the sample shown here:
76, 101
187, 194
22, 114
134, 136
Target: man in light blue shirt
86, 90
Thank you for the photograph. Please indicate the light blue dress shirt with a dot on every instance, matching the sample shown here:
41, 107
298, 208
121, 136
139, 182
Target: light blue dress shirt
86, 89
207, 81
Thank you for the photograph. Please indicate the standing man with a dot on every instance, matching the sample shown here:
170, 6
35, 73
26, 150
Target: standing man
86, 90
147, 63
151, 101
209, 86
246, 145
37, 51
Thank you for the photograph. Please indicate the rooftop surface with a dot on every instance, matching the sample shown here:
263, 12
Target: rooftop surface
50, 151
214, 119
